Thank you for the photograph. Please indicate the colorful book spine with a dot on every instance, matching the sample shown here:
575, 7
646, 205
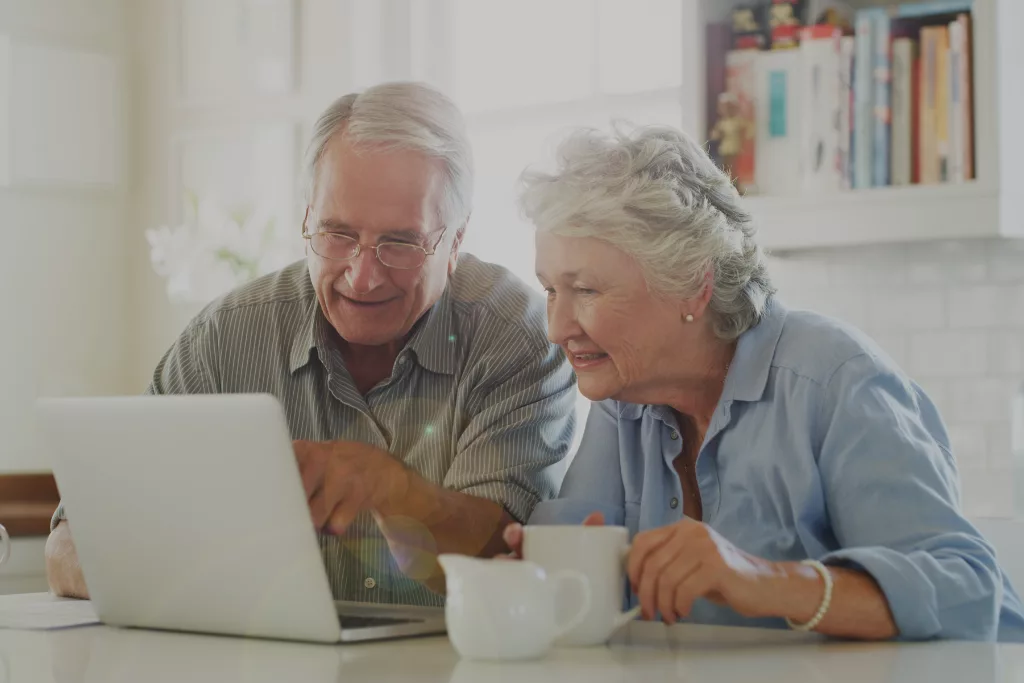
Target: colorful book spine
928, 106
846, 55
956, 112
942, 108
915, 119
864, 92
966, 80
820, 70
882, 104
902, 110
779, 126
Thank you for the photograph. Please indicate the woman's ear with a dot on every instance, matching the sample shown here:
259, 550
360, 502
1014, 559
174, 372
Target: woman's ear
694, 309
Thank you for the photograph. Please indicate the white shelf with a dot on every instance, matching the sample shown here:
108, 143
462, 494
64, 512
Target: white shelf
990, 207
883, 215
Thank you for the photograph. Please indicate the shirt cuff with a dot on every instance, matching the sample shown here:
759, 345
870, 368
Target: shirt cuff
907, 589
574, 511
58, 516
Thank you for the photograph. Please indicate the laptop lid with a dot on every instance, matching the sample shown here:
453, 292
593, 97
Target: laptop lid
188, 513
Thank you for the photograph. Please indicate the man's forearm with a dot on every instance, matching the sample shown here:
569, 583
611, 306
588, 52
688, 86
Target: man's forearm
424, 520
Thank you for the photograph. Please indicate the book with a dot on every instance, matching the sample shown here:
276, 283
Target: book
965, 78
820, 67
846, 56
956, 113
942, 103
779, 96
928, 153
903, 57
864, 97
915, 119
882, 99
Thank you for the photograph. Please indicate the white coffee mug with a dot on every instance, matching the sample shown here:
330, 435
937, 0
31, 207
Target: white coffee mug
599, 553
5, 545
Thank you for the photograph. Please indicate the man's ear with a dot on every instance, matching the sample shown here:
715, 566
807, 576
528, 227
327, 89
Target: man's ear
302, 229
453, 256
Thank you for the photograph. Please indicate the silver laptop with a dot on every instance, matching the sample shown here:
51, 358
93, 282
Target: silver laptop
188, 514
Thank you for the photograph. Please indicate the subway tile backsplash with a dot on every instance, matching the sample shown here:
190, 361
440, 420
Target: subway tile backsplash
952, 315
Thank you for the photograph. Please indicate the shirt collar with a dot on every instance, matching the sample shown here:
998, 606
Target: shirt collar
755, 350
749, 369
433, 339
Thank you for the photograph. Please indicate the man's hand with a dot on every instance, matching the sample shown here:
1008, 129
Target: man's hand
63, 572
344, 478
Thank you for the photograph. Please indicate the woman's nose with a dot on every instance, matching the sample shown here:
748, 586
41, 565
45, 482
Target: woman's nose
562, 324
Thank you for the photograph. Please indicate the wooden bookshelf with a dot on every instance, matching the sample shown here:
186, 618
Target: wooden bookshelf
991, 206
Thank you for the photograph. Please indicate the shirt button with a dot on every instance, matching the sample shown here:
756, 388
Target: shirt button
369, 582
674, 436
674, 503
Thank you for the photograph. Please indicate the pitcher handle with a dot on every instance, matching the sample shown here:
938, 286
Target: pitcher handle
627, 617
580, 577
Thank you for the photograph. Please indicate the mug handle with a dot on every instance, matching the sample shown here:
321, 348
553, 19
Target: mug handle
626, 617
5, 545
580, 577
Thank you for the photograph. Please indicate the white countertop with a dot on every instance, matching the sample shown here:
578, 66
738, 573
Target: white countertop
642, 652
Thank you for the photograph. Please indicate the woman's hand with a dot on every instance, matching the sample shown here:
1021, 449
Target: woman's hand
513, 534
672, 566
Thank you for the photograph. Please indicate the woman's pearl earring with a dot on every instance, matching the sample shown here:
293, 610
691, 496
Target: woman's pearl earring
689, 317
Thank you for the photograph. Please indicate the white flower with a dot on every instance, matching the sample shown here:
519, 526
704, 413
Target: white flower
215, 251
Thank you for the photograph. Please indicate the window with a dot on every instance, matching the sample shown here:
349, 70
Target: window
526, 72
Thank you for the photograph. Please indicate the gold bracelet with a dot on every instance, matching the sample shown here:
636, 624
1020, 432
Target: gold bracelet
826, 601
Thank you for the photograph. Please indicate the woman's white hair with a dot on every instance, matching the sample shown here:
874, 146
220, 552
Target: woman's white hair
408, 116
655, 194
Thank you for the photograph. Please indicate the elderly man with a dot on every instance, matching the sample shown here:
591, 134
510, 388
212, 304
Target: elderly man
428, 408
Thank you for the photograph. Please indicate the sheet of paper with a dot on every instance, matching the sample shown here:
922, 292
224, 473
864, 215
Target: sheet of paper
41, 611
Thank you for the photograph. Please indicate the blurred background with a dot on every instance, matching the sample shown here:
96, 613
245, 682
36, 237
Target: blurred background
150, 154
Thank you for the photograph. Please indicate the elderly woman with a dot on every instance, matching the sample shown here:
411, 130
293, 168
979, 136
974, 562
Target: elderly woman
774, 467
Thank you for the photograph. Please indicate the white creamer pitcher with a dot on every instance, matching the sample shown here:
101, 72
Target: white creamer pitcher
505, 609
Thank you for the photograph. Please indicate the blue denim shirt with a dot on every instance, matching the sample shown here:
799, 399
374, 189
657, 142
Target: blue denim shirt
820, 447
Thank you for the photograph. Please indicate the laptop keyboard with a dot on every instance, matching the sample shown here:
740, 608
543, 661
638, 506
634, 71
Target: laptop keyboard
349, 621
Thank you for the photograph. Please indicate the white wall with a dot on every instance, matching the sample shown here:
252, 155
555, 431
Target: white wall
952, 315
63, 263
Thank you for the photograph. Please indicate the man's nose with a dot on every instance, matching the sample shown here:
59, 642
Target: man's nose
365, 272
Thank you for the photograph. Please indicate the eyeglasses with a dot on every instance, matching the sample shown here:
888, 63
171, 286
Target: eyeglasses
398, 255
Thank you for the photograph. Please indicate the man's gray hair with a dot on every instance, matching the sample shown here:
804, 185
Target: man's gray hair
408, 116
655, 194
